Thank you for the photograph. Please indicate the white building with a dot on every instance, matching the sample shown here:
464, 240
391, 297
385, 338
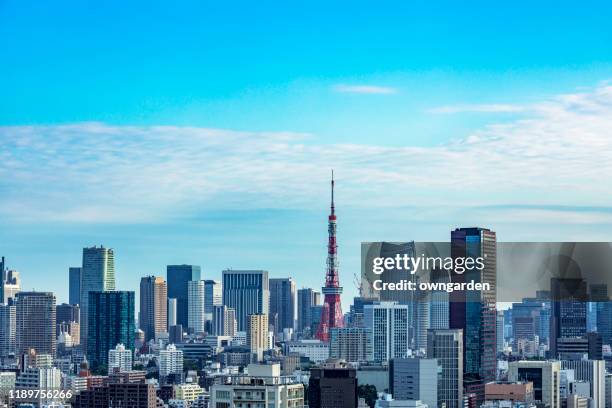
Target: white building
262, 386
172, 305
388, 324
196, 305
120, 359
315, 350
170, 361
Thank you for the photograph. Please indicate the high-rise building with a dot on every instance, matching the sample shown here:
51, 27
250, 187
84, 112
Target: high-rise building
332, 385
331, 315
262, 387
12, 285
213, 296
474, 311
153, 306
2, 278
170, 361
74, 285
257, 334
8, 329
196, 302
283, 303
119, 359
545, 378
499, 333
352, 344
224, 321
414, 379
592, 372
306, 299
178, 277
111, 322
172, 311
569, 310
446, 346
35, 315
247, 292
97, 275
388, 324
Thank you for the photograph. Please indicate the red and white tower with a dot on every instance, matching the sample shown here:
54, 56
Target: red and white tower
331, 315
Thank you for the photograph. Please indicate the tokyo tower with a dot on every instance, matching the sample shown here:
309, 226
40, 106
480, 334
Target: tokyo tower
331, 315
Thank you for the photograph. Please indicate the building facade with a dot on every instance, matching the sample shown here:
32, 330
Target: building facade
178, 277
153, 306
196, 291
283, 303
446, 346
35, 322
388, 324
247, 292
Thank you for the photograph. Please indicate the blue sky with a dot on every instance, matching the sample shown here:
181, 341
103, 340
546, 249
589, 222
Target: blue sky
204, 133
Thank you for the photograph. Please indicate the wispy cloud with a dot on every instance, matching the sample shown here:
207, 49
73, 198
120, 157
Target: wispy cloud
486, 108
95, 172
364, 89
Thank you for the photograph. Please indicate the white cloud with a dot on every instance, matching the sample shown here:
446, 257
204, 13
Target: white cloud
94, 172
487, 108
364, 89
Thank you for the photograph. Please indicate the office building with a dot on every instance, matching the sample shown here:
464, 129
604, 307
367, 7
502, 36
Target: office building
257, 334
569, 310
153, 306
446, 346
97, 275
119, 359
2, 278
545, 378
170, 361
352, 344
332, 385
8, 330
74, 285
195, 299
314, 350
262, 386
283, 303
213, 296
35, 322
247, 292
132, 395
592, 372
306, 299
414, 379
111, 322
172, 311
224, 321
12, 285
474, 311
178, 277
388, 324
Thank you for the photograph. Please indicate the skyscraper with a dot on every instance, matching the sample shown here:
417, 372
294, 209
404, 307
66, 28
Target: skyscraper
283, 299
569, 299
177, 277
8, 330
97, 275
257, 334
196, 304
171, 312
2, 272
331, 315
153, 306
74, 285
35, 314
224, 321
213, 296
446, 346
388, 324
474, 311
111, 322
306, 299
247, 292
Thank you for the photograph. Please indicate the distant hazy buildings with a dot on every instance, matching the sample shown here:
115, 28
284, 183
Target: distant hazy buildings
446, 346
111, 322
247, 292
35, 322
283, 303
196, 303
97, 275
153, 306
74, 285
178, 277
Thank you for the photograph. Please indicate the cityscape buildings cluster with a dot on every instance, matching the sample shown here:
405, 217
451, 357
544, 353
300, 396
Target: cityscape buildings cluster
249, 340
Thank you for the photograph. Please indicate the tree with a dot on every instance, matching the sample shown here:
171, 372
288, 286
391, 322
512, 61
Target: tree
369, 393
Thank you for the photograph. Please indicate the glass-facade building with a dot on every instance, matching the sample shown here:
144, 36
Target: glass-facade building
111, 322
178, 277
74, 285
247, 292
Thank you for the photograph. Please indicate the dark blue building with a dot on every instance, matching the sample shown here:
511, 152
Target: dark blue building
111, 321
177, 277
74, 285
